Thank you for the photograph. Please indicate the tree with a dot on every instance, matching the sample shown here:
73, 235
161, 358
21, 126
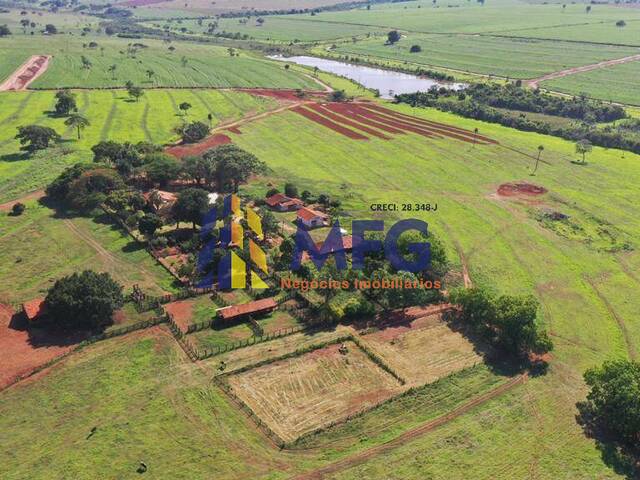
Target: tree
123, 156
18, 209
25, 23
35, 137
338, 96
162, 168
588, 9
290, 190
415, 49
4, 31
540, 150
193, 132
621, 23
50, 29
149, 224
78, 122
150, 74
270, 225
112, 69
65, 102
91, 189
232, 166
135, 92
197, 168
59, 188
184, 106
86, 63
191, 206
583, 147
393, 36
84, 300
614, 399
210, 118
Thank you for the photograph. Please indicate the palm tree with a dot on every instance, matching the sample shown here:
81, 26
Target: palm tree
112, 69
150, 74
78, 121
185, 106
475, 136
540, 150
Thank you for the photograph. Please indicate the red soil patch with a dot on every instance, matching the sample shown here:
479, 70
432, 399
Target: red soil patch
24, 348
374, 119
325, 122
183, 150
235, 130
6, 207
182, 313
288, 95
522, 188
337, 118
27, 73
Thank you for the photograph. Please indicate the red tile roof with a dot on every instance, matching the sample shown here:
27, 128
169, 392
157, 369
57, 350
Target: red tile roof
258, 306
308, 214
277, 199
34, 308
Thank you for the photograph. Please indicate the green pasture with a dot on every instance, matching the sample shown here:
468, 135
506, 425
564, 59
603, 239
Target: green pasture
504, 16
618, 83
41, 246
584, 292
113, 116
64, 22
189, 65
507, 57
603, 32
277, 29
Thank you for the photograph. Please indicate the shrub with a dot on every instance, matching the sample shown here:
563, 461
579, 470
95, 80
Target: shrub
415, 49
18, 209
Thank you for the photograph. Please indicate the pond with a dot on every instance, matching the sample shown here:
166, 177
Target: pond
387, 82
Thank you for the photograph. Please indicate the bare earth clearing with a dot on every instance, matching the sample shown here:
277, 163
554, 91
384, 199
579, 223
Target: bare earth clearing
27, 73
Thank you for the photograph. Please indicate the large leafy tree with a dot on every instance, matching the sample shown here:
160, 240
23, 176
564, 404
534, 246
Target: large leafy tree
84, 300
125, 157
191, 206
149, 224
614, 399
35, 137
192, 132
65, 102
232, 166
91, 188
162, 168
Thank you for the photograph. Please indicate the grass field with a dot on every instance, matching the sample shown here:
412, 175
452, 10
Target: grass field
503, 16
39, 247
503, 245
112, 117
508, 57
203, 65
64, 22
605, 32
199, 7
617, 83
298, 395
277, 29
424, 351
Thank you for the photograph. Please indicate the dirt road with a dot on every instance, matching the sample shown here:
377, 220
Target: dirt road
412, 434
533, 83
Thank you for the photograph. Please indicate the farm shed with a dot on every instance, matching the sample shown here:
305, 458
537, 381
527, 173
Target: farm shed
312, 218
282, 203
258, 307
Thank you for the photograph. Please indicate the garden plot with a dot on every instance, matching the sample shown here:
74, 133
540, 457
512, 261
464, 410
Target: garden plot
298, 395
424, 350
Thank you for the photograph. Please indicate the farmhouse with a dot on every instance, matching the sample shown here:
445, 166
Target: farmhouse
34, 309
258, 307
282, 203
160, 201
312, 218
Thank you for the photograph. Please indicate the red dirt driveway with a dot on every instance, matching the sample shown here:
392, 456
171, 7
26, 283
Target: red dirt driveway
27, 73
